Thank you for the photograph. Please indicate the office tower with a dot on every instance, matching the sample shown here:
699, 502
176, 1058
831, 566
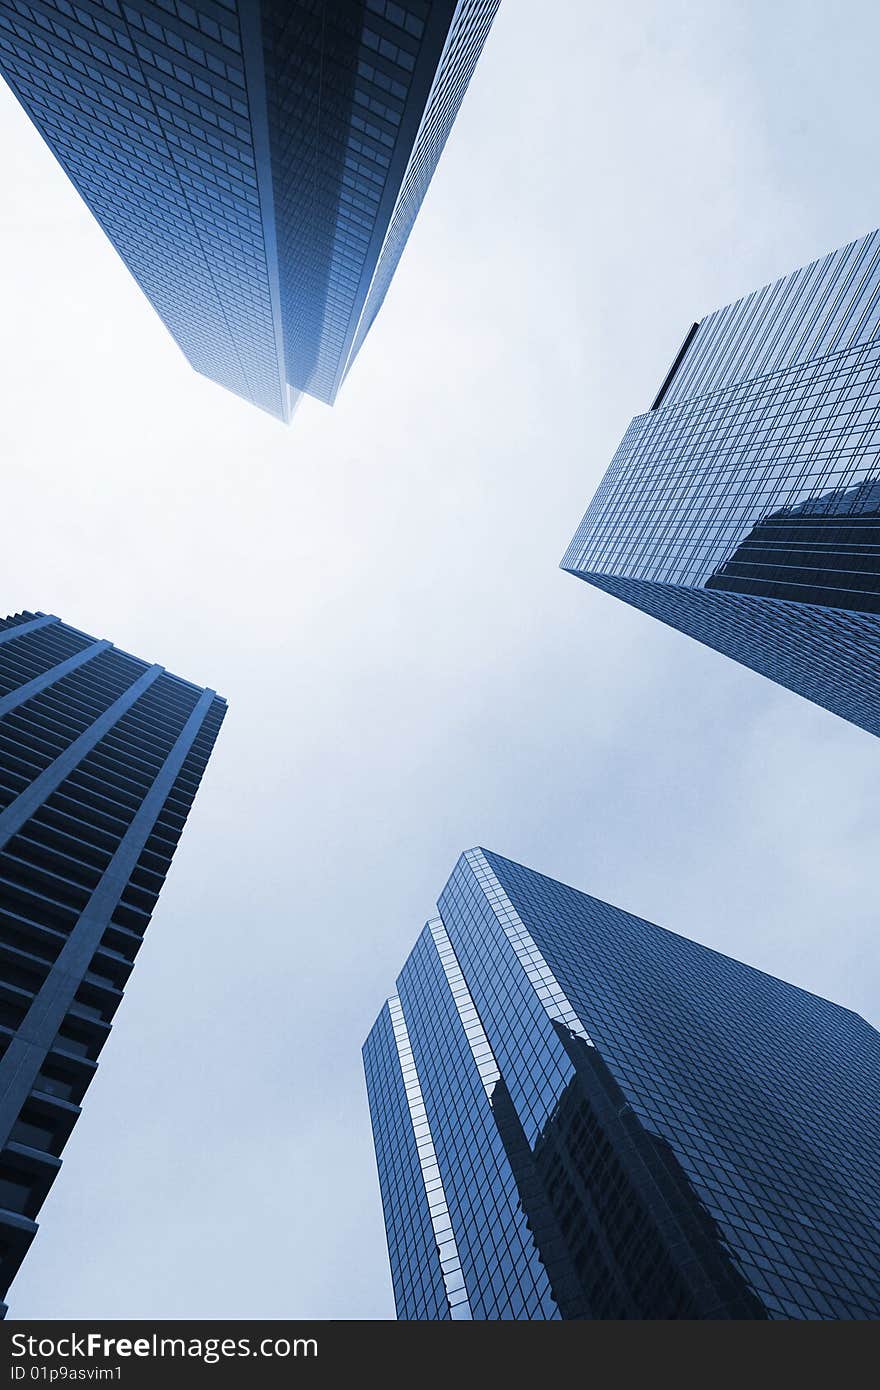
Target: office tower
744, 507
258, 164
578, 1114
100, 757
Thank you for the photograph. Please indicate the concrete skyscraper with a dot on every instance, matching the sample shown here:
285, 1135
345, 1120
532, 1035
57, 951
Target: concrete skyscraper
258, 164
744, 507
101, 755
578, 1114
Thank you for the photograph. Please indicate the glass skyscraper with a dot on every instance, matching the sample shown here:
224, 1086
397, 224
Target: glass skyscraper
578, 1114
101, 755
743, 508
258, 164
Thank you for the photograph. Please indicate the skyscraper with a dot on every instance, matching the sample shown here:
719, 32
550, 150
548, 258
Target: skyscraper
744, 507
578, 1114
258, 164
101, 755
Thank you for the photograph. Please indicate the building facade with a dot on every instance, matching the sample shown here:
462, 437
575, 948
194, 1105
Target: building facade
578, 1114
101, 755
744, 507
258, 164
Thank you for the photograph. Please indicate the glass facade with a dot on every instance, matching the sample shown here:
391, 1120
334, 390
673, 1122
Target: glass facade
578, 1114
258, 164
744, 507
101, 755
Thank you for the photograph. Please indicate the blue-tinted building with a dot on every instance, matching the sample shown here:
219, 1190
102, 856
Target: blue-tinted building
258, 164
101, 755
744, 507
578, 1114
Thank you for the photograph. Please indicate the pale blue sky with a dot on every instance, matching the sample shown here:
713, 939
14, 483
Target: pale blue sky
376, 593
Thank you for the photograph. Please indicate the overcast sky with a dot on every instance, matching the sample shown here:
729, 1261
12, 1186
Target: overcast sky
376, 592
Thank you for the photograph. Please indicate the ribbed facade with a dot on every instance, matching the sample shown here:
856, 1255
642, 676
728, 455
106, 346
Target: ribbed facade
258, 164
101, 755
580, 1115
744, 507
